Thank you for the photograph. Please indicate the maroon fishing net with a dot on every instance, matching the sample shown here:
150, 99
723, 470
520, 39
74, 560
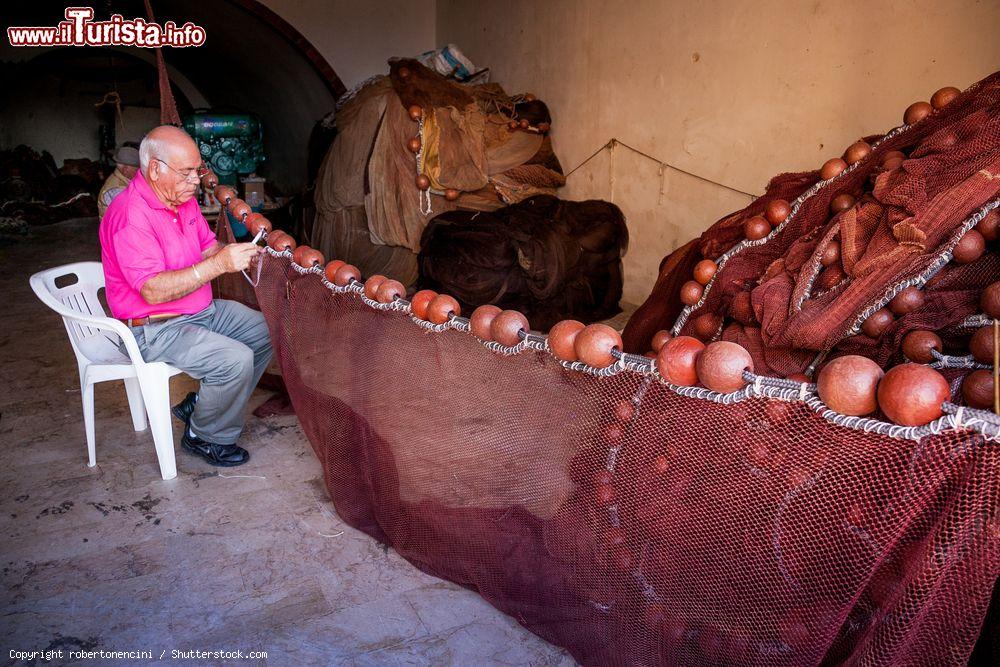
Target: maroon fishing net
635, 522
903, 220
630, 524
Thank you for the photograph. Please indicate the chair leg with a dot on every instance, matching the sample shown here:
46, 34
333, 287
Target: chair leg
135, 403
87, 393
156, 394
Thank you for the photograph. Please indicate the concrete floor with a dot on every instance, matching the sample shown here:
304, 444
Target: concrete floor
244, 559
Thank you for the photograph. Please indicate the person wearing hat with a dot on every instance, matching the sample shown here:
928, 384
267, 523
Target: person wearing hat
127, 161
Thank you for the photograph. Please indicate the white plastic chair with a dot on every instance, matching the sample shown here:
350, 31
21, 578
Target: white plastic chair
94, 338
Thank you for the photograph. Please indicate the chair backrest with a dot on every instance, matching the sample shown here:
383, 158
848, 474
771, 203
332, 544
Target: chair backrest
92, 333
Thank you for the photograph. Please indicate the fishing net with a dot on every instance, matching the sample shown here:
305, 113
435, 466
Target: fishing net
629, 523
900, 232
547, 258
637, 522
369, 212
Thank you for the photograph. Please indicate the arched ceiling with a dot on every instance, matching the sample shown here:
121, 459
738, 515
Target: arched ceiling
251, 61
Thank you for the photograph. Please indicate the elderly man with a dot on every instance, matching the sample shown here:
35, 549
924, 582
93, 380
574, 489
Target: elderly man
159, 258
126, 164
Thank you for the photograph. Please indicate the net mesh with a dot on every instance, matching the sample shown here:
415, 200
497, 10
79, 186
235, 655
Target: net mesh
903, 222
630, 524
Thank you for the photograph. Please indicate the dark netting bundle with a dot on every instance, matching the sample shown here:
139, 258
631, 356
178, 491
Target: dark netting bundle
547, 258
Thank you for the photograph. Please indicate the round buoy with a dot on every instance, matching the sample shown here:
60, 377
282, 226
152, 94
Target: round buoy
389, 291
977, 389
256, 222
562, 338
912, 394
756, 228
981, 345
209, 180
372, 284
741, 308
280, 241
916, 112
481, 320
877, 323
831, 168
345, 274
707, 325
677, 360
989, 301
506, 327
660, 339
989, 226
442, 308
857, 152
330, 271
830, 277
917, 346
691, 292
841, 203
224, 194
420, 301
307, 257
944, 96
721, 364
595, 343
777, 211
848, 385
969, 248
704, 270
831, 253
907, 301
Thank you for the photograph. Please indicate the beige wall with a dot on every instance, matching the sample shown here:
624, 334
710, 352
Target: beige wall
734, 91
357, 37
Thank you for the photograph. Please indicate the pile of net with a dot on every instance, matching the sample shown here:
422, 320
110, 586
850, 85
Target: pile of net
634, 521
784, 300
544, 257
33, 191
370, 210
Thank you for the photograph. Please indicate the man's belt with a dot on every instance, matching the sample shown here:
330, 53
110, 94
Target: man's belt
149, 319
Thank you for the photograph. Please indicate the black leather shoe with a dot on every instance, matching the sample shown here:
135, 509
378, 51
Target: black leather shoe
184, 409
217, 455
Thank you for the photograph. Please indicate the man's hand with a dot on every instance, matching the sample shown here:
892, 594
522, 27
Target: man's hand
171, 285
236, 256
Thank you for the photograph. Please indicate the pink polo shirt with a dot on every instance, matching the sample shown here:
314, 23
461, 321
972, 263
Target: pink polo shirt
140, 237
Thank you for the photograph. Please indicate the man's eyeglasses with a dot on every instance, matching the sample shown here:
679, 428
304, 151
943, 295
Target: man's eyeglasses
194, 173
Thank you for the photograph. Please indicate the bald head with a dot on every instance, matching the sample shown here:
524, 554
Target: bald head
165, 142
169, 160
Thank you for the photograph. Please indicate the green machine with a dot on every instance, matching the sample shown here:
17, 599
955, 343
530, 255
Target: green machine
230, 144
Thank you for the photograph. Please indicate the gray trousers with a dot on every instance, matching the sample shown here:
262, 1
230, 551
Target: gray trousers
227, 347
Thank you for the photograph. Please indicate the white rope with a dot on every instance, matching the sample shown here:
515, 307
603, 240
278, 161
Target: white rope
955, 417
256, 239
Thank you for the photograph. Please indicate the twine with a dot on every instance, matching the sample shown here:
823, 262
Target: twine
757, 386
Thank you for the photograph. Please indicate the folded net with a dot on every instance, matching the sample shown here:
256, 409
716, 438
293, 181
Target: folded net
899, 232
614, 516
